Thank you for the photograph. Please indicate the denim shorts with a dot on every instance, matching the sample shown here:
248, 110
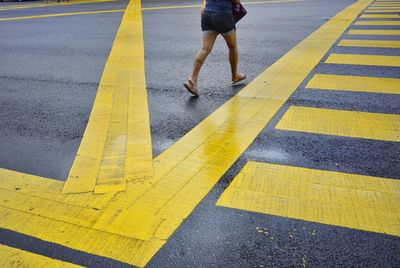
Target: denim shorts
217, 23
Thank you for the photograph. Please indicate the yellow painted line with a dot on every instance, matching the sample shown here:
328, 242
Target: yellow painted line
12, 257
374, 32
372, 60
369, 43
197, 6
342, 123
62, 14
355, 83
382, 10
122, 10
51, 4
116, 145
380, 16
386, 8
136, 223
378, 22
347, 200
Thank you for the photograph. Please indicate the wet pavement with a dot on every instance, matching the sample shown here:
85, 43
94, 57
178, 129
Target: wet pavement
51, 72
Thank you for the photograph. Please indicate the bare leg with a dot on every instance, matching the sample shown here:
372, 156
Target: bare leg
233, 56
208, 43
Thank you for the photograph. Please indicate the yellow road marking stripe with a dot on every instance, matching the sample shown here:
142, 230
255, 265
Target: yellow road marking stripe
342, 123
188, 169
62, 14
374, 32
122, 10
355, 83
386, 8
197, 6
353, 201
372, 60
50, 4
380, 16
369, 43
382, 10
117, 143
13, 257
378, 22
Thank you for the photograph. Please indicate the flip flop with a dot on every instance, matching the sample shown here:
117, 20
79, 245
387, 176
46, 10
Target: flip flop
190, 86
239, 80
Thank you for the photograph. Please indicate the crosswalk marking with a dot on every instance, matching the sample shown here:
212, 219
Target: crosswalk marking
383, 11
13, 257
353, 201
369, 43
374, 32
355, 83
378, 23
372, 60
380, 16
341, 123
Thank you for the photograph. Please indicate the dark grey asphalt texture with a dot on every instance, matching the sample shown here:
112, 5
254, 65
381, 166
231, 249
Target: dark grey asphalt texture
49, 77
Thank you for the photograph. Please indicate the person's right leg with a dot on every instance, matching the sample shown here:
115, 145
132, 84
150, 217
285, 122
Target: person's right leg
208, 43
230, 39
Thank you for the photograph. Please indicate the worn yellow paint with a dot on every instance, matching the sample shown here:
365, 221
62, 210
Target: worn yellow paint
131, 226
61, 15
374, 32
116, 145
52, 4
342, 123
12, 257
380, 16
382, 10
373, 60
355, 83
353, 201
369, 43
378, 22
197, 6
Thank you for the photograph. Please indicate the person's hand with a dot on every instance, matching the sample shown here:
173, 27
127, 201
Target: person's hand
202, 11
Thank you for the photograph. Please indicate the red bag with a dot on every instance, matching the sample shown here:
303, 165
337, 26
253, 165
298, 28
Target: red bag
238, 12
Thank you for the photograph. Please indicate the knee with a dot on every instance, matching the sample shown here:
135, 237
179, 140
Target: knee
206, 50
232, 47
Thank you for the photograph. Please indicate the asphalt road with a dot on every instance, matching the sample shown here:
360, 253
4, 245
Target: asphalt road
50, 73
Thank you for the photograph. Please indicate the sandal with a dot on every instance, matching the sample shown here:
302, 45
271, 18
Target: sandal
241, 78
191, 87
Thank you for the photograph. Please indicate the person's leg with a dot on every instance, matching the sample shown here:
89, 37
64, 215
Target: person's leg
230, 39
208, 43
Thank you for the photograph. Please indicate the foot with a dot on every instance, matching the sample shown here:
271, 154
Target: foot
191, 86
239, 77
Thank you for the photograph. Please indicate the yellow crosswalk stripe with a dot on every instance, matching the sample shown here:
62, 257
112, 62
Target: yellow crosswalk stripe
386, 8
116, 145
355, 83
382, 10
372, 60
369, 43
13, 257
342, 123
380, 16
374, 32
378, 23
353, 201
